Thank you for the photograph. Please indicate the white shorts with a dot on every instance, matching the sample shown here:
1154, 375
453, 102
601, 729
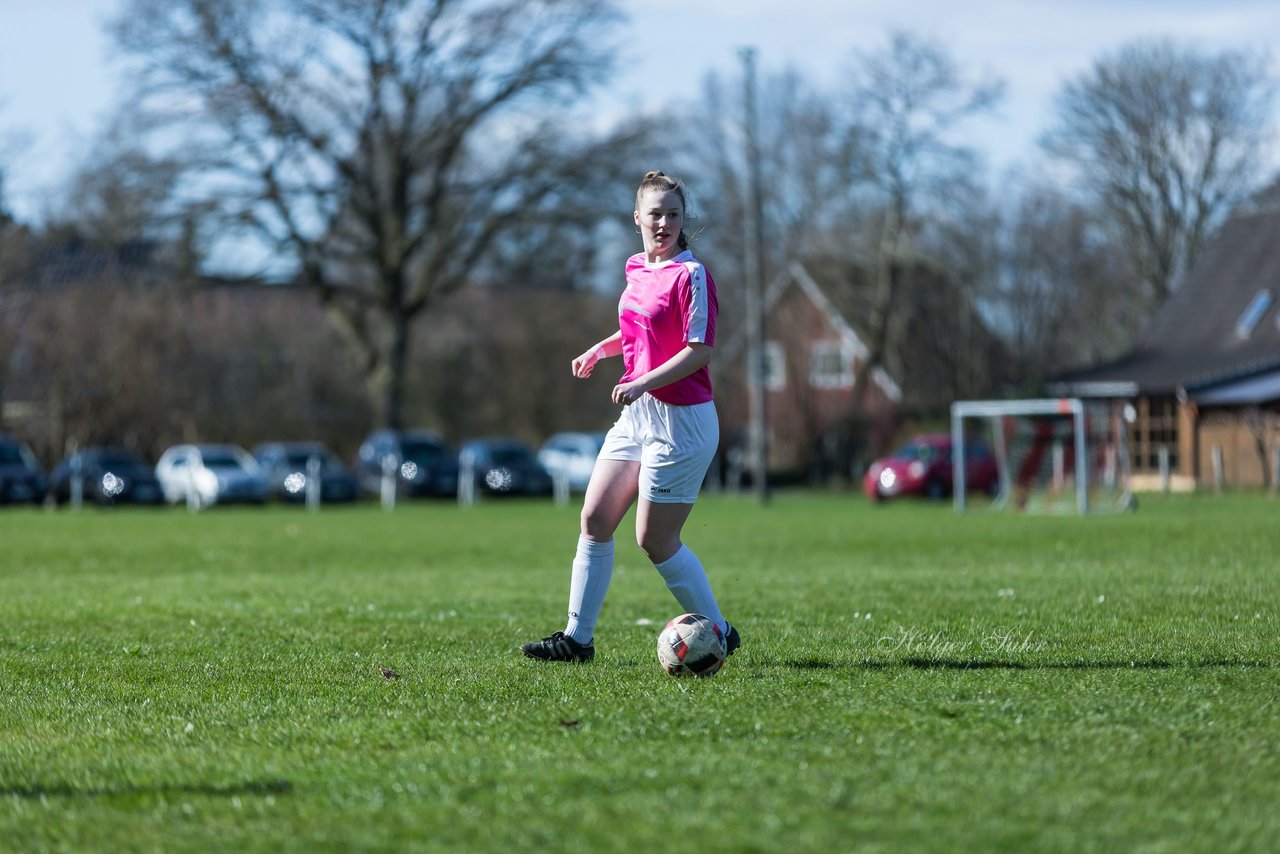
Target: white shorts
674, 445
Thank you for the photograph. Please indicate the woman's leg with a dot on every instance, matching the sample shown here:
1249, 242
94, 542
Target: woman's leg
610, 493
658, 528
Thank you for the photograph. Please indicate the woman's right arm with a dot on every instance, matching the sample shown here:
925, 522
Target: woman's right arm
611, 346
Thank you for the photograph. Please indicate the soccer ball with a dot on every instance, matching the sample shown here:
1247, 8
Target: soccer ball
691, 645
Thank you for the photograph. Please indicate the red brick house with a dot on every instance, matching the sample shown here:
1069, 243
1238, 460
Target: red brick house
818, 424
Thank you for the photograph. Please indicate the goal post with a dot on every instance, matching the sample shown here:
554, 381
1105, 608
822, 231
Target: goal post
1085, 440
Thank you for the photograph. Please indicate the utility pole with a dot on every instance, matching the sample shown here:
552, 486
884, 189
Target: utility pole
753, 265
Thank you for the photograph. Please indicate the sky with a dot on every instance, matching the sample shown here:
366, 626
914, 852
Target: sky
60, 75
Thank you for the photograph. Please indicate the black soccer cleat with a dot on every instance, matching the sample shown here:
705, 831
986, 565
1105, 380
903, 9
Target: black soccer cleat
731, 641
559, 647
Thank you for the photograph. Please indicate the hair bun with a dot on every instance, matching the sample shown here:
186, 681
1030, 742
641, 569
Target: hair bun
649, 176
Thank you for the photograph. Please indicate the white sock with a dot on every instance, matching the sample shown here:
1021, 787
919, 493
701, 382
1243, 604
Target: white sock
687, 581
592, 570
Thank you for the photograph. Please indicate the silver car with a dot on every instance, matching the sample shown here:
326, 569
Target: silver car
571, 456
204, 475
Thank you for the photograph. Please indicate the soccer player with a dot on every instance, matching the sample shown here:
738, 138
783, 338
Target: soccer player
658, 451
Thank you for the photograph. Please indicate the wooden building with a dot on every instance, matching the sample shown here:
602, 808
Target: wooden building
1204, 379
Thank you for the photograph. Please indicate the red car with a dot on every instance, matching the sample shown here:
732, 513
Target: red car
923, 467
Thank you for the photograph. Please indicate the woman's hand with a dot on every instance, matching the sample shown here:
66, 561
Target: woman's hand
583, 364
625, 393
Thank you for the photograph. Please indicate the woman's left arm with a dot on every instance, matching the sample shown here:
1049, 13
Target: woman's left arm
692, 358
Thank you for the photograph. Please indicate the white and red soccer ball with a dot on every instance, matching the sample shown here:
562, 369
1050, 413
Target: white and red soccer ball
691, 645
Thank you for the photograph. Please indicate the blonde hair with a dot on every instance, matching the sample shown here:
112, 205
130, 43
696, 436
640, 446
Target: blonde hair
664, 183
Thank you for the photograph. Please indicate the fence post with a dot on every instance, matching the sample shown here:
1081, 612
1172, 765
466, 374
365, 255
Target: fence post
1219, 475
77, 481
1163, 455
466, 478
193, 496
390, 468
313, 483
560, 487
1275, 469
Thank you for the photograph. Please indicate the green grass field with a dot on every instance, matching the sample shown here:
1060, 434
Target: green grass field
909, 679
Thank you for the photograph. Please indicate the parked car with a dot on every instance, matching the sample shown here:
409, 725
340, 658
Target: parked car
424, 464
571, 456
923, 467
504, 466
210, 474
286, 467
107, 476
21, 479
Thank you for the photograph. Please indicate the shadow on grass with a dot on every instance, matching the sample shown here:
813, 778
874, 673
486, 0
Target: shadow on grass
998, 664
64, 790
1002, 664
812, 664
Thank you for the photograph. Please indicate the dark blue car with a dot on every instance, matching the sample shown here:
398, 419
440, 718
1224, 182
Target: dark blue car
21, 480
107, 476
422, 464
287, 467
504, 466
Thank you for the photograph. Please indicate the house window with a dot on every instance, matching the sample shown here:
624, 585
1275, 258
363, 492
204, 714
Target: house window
1155, 427
775, 366
1253, 312
831, 365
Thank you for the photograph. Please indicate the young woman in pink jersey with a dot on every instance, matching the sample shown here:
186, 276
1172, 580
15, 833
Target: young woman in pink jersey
657, 453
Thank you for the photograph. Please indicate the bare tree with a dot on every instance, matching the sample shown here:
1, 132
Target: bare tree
14, 299
15, 255
1264, 429
485, 351
6, 218
1069, 294
11, 144
1168, 139
1265, 199
866, 185
122, 194
382, 144
802, 183
905, 101
803, 191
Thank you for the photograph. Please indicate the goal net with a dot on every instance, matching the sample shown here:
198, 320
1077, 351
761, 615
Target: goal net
1062, 455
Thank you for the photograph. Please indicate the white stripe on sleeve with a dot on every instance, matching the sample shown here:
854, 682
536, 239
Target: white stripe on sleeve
696, 331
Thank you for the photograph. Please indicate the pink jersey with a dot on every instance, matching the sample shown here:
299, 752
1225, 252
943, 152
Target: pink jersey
664, 307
